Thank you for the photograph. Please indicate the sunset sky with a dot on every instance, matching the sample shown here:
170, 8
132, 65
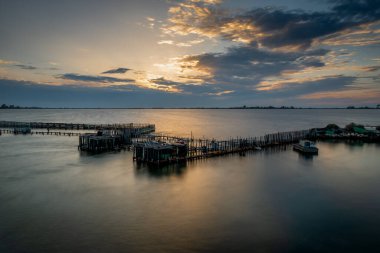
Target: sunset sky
185, 53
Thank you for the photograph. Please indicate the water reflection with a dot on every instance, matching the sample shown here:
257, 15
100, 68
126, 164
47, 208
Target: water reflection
179, 169
273, 200
158, 171
351, 144
275, 149
85, 154
306, 157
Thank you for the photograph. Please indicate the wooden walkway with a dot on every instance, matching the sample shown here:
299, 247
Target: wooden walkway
133, 129
143, 128
57, 133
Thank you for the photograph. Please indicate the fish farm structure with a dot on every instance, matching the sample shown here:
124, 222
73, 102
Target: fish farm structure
100, 143
159, 149
162, 149
105, 137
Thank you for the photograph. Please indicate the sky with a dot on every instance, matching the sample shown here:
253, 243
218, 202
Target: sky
189, 53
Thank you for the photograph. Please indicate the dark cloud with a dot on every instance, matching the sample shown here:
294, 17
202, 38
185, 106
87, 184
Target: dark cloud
26, 67
88, 78
365, 10
273, 27
164, 82
296, 29
330, 83
207, 89
371, 68
203, 89
32, 94
248, 65
116, 71
287, 28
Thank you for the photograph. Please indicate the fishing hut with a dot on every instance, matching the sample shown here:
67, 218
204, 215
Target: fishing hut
160, 152
100, 142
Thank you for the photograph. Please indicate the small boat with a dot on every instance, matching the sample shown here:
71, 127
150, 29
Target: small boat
306, 146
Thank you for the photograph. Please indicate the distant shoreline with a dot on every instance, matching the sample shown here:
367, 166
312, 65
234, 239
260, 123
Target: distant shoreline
189, 108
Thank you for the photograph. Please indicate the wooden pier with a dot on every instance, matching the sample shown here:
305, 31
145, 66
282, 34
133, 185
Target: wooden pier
56, 133
161, 149
127, 131
133, 128
105, 137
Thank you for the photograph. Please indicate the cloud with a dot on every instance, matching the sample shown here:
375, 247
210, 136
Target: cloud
250, 71
5, 62
221, 93
311, 85
165, 85
89, 78
116, 71
180, 44
35, 94
248, 65
167, 42
371, 68
164, 82
17, 65
25, 93
364, 35
352, 94
270, 27
25, 67
362, 9
205, 89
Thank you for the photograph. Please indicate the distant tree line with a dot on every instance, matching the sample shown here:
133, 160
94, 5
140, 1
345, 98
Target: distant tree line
266, 107
4, 106
363, 107
293, 107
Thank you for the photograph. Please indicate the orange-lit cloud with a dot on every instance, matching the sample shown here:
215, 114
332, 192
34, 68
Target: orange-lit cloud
363, 94
5, 62
364, 35
221, 93
268, 85
180, 44
168, 42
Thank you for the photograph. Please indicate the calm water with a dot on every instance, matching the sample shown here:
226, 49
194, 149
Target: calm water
55, 199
